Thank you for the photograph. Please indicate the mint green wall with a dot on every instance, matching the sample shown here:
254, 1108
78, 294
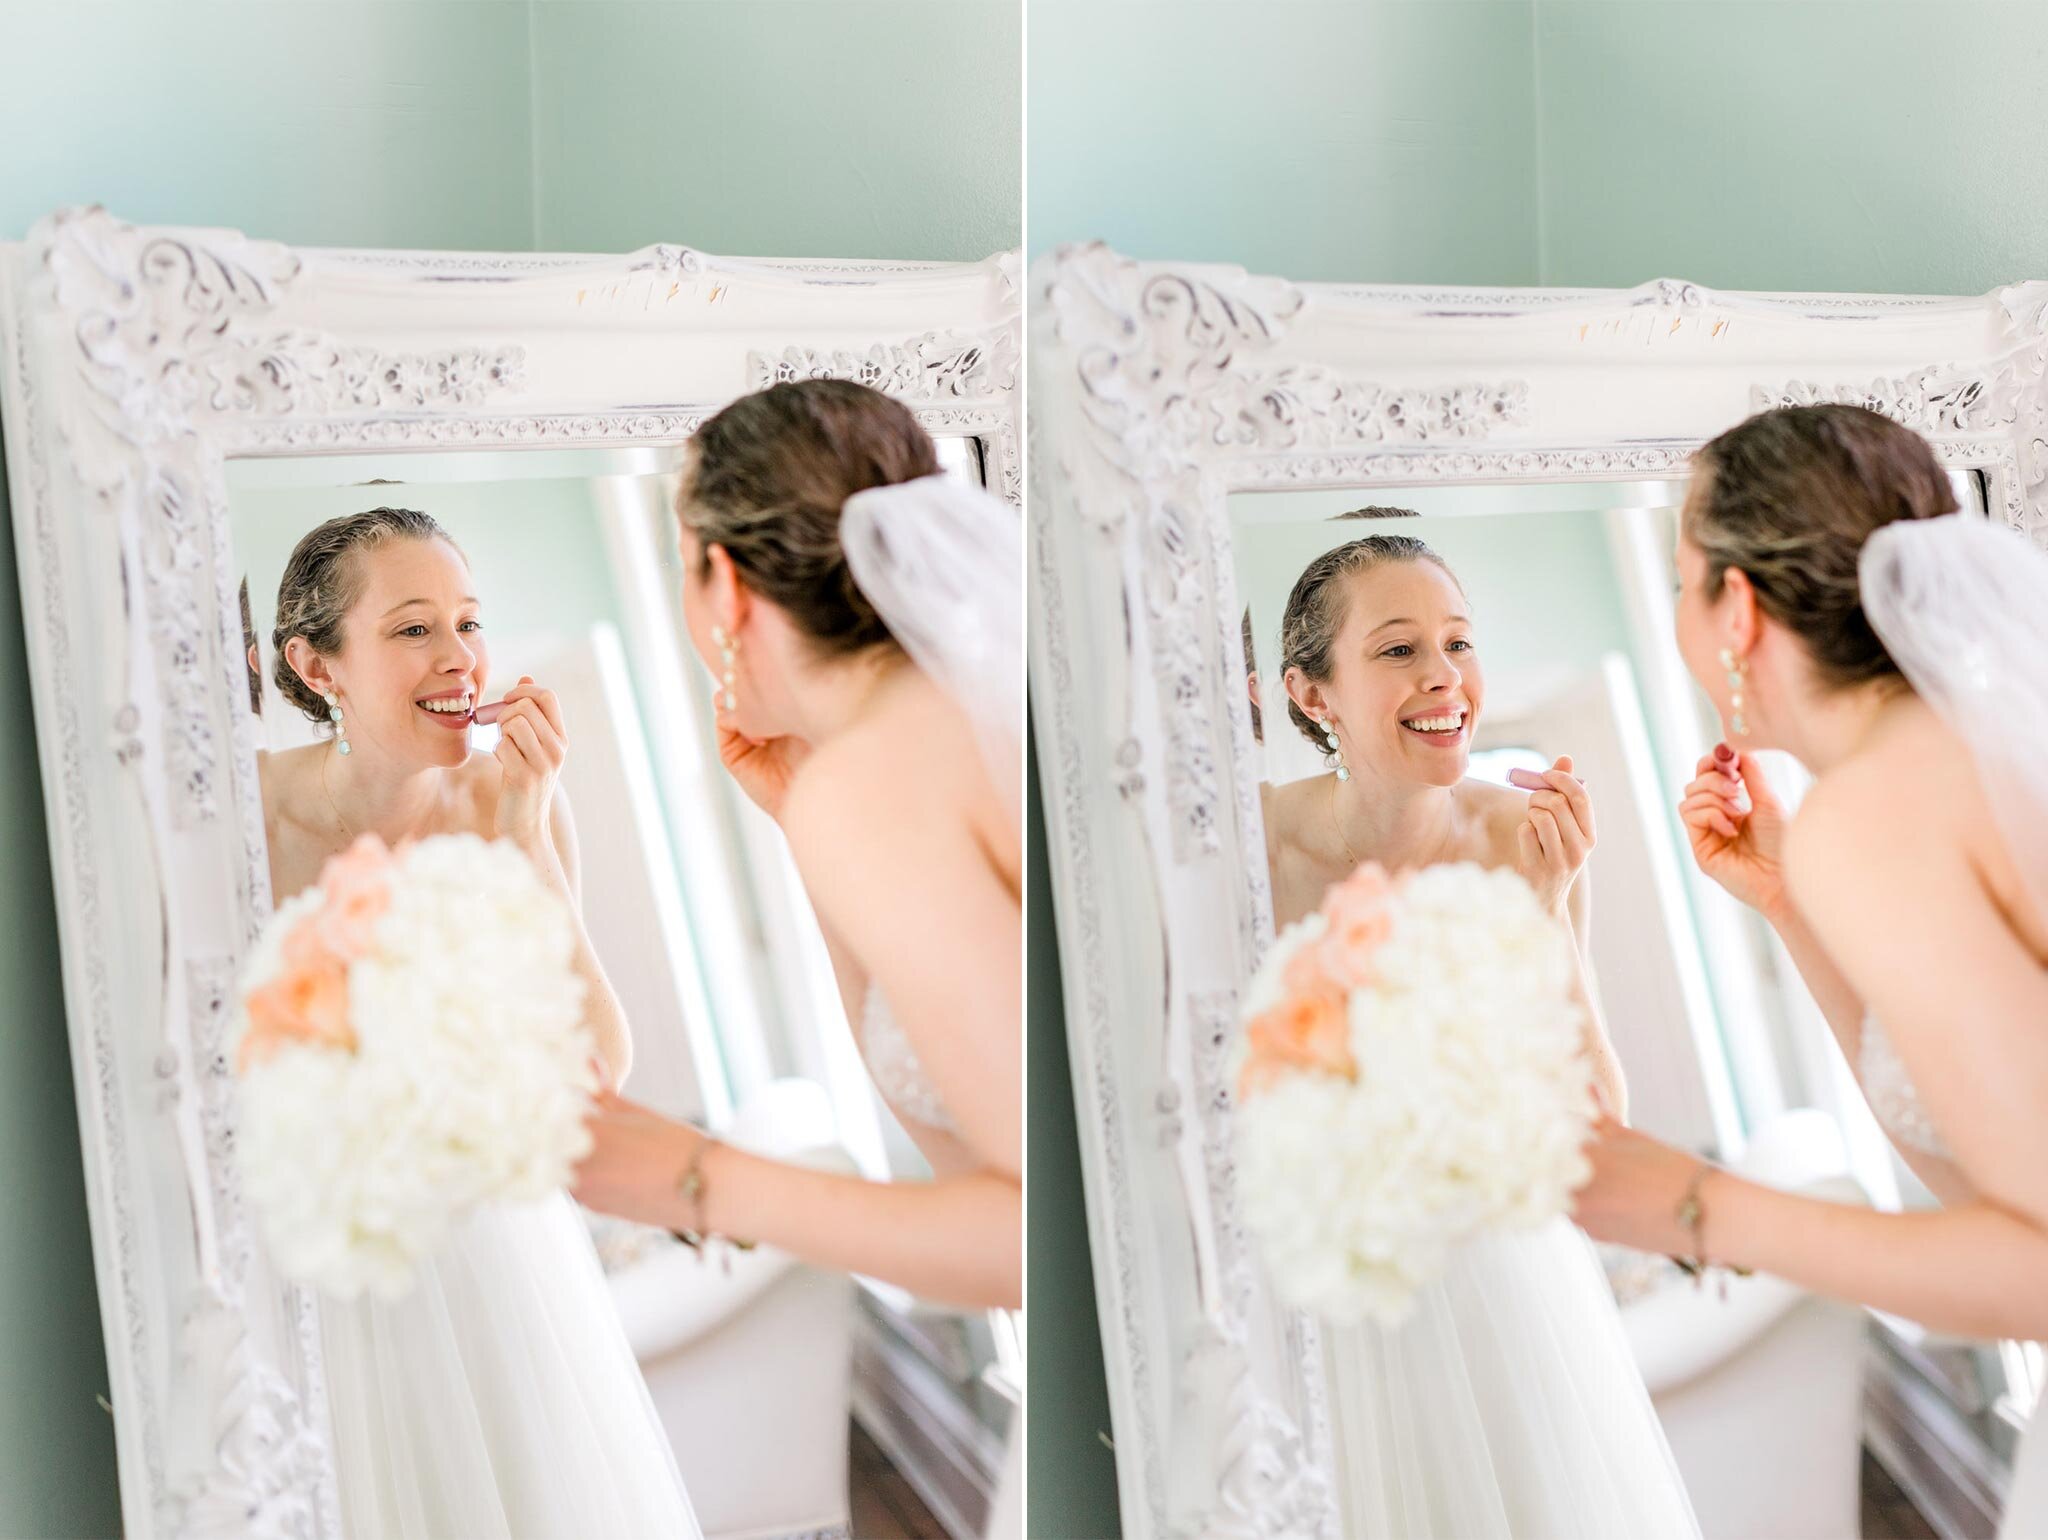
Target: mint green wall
309, 121
1339, 139
780, 127
416, 123
1871, 145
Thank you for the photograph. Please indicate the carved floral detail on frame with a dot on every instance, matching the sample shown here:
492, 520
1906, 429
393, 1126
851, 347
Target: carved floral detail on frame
1161, 369
935, 366
1936, 401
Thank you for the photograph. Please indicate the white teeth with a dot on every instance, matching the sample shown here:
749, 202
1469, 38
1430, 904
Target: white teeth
455, 706
1449, 724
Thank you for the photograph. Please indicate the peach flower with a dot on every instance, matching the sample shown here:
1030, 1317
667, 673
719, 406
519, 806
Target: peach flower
356, 884
306, 1003
1305, 974
1359, 924
1368, 886
1302, 1032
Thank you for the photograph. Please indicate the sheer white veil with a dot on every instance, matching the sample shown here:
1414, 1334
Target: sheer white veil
1961, 604
942, 562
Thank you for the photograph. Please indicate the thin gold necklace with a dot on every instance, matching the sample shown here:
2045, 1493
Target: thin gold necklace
1338, 824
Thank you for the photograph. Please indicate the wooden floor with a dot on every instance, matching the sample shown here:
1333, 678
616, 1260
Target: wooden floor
884, 1506
1887, 1514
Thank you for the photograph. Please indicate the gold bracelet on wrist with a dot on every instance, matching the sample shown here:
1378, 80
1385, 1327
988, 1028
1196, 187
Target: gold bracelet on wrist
1692, 1215
691, 1185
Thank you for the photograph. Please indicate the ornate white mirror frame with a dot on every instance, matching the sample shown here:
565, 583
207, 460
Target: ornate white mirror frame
138, 362
1160, 389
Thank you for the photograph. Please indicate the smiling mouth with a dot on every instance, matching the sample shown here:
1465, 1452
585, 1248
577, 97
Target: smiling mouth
450, 711
1439, 728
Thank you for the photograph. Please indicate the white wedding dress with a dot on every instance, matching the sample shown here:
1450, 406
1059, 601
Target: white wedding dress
499, 1400
1508, 1407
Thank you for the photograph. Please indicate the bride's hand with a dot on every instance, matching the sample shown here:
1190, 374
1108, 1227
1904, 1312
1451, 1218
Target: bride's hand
1741, 848
636, 1163
532, 745
1637, 1186
1556, 835
763, 768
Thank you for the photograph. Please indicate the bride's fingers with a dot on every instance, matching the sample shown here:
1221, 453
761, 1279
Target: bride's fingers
1718, 775
550, 706
1573, 843
519, 732
1530, 847
1576, 797
1710, 798
547, 745
1548, 835
1708, 812
1573, 819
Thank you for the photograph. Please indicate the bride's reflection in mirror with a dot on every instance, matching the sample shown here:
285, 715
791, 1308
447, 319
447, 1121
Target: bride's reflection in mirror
1368, 655
499, 1395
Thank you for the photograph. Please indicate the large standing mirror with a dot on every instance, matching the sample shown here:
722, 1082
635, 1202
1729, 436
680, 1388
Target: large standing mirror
1208, 442
182, 408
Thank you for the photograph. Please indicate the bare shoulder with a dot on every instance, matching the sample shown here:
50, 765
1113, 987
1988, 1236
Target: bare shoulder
282, 779
913, 758
866, 774
1285, 806
478, 782
1915, 783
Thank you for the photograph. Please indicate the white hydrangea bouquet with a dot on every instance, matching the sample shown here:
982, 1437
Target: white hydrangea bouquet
410, 1044
1411, 1072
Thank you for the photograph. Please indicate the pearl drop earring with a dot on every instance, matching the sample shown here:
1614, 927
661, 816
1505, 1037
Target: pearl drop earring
334, 715
1336, 749
1738, 681
728, 650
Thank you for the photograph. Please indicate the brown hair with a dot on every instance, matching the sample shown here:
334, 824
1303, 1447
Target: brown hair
1315, 607
1789, 497
320, 584
770, 475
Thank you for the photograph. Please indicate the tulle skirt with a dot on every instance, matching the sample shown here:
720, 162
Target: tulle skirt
1508, 1407
499, 1400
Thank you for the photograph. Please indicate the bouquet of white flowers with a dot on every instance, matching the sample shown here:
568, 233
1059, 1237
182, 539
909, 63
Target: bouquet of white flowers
1411, 1072
410, 1044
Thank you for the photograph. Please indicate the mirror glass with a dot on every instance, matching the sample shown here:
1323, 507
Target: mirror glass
689, 896
1566, 592
1552, 636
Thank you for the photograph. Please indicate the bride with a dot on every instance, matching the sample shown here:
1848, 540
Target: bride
1834, 606
500, 1397
1509, 1406
862, 617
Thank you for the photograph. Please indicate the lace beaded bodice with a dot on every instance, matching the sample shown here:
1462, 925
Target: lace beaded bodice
1891, 1093
894, 1064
